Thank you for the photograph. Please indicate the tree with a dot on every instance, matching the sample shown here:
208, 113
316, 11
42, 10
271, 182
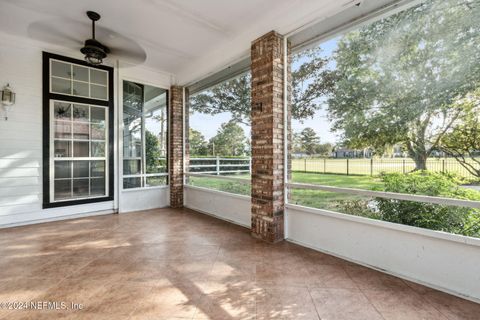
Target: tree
152, 152
311, 80
297, 143
324, 149
161, 118
198, 144
463, 141
398, 77
309, 141
230, 140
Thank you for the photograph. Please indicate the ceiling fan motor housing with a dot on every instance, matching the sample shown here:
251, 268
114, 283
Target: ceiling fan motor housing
94, 51
94, 46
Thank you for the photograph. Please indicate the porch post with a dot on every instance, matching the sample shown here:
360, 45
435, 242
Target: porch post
176, 154
268, 182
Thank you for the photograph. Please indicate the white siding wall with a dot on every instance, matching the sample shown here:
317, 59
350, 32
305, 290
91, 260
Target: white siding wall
21, 137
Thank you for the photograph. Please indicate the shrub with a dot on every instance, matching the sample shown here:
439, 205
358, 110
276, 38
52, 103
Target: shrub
460, 220
453, 219
358, 207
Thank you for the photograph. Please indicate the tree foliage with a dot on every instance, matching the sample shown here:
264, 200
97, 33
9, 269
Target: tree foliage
324, 149
398, 77
197, 142
460, 220
311, 79
230, 140
463, 141
231, 96
309, 141
453, 219
152, 152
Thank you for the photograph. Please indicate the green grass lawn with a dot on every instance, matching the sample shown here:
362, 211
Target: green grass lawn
337, 180
311, 198
377, 165
327, 200
222, 185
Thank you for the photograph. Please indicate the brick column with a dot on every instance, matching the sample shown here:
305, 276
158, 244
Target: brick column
268, 137
175, 151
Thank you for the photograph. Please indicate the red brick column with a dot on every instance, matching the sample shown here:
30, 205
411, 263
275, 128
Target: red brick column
268, 137
175, 151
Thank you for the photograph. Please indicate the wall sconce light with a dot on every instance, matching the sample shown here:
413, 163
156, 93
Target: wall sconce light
8, 99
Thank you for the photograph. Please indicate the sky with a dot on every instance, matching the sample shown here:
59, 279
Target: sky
208, 125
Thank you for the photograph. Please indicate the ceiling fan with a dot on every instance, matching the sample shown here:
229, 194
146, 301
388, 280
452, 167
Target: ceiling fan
70, 33
93, 50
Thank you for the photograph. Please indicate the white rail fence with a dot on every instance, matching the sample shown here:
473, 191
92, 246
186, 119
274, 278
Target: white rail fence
218, 165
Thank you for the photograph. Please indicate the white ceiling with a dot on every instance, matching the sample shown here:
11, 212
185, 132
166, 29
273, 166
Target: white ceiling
188, 38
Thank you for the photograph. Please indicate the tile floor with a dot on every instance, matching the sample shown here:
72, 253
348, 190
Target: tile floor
178, 264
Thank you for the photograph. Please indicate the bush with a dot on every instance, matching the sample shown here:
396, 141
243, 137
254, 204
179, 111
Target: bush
459, 220
358, 207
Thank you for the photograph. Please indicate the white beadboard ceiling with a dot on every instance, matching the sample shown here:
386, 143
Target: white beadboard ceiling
188, 38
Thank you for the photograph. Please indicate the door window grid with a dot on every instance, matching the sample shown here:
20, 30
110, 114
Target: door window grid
78, 174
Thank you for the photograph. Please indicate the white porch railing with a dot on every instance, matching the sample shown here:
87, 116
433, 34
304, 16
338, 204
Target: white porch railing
227, 178
218, 165
389, 195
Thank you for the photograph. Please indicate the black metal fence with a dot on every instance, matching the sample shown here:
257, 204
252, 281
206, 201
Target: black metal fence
375, 166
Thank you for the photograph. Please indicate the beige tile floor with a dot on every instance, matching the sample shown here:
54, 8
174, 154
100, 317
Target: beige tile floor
178, 264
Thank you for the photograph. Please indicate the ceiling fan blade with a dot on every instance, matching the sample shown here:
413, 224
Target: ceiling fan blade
132, 54
56, 33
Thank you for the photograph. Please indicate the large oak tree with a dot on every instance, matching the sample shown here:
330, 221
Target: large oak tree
399, 77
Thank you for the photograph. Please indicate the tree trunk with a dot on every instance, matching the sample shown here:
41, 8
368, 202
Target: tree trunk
417, 146
420, 161
419, 155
